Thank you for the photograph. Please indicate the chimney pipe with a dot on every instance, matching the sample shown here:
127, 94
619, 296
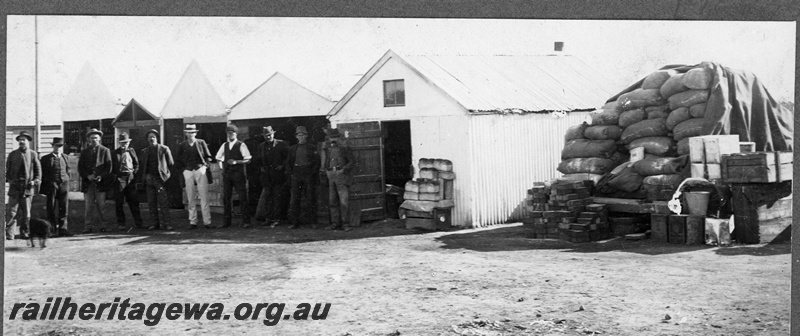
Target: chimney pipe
559, 46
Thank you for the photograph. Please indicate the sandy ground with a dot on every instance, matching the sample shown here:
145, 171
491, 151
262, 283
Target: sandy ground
382, 279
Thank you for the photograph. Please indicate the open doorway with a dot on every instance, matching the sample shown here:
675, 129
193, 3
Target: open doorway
397, 165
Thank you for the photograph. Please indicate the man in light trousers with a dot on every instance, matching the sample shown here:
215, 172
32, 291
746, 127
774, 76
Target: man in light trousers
193, 158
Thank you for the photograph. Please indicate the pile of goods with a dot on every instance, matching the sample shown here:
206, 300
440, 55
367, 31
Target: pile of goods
563, 209
429, 198
644, 132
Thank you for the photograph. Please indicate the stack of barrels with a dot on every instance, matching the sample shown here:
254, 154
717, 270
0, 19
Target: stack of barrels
435, 181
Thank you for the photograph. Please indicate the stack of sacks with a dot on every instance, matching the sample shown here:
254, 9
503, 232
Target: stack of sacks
591, 151
659, 116
435, 182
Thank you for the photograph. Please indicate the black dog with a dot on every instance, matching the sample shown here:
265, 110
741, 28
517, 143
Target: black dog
39, 228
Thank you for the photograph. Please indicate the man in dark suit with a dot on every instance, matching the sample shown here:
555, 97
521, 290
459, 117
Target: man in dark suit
126, 164
23, 174
233, 156
55, 185
94, 167
272, 155
302, 165
156, 162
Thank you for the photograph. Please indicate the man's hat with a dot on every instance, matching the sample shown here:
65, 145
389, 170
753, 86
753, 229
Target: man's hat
94, 131
232, 128
152, 131
268, 129
190, 128
124, 137
57, 141
24, 134
300, 129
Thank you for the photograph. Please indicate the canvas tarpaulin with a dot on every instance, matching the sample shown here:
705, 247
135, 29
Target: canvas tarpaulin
738, 103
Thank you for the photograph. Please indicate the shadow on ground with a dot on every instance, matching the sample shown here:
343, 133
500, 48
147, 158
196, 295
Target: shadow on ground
512, 237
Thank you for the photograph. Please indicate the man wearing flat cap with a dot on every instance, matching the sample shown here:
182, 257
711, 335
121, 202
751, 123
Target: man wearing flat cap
156, 161
337, 162
94, 167
55, 186
233, 155
302, 165
23, 174
126, 164
193, 158
272, 202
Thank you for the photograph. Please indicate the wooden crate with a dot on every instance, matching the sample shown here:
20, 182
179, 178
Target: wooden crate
686, 229
438, 219
758, 167
757, 223
658, 227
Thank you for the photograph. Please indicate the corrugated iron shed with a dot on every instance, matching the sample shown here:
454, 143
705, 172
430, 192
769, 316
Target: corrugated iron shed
505, 83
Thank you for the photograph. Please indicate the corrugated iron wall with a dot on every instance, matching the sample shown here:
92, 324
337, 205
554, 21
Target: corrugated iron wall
507, 154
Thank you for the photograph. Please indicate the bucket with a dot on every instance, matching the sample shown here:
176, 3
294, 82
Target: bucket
697, 202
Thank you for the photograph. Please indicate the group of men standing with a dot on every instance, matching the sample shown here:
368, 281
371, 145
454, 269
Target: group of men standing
285, 171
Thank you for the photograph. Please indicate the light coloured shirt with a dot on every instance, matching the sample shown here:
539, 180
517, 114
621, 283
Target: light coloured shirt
126, 164
221, 152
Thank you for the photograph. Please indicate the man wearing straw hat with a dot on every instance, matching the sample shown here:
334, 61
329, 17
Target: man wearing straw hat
94, 167
23, 173
125, 164
55, 185
155, 171
193, 158
272, 202
302, 165
233, 155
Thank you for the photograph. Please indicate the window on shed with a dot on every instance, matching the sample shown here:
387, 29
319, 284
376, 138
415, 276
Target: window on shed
394, 93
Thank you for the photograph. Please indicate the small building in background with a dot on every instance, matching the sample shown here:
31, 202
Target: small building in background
135, 120
500, 120
89, 104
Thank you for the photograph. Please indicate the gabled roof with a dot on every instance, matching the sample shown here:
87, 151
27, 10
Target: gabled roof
89, 98
193, 96
504, 83
278, 97
134, 111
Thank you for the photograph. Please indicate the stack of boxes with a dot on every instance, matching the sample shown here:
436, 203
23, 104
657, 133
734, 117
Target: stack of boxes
563, 209
705, 154
428, 200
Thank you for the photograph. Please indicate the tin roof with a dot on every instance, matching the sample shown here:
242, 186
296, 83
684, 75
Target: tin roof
193, 96
278, 97
89, 98
505, 83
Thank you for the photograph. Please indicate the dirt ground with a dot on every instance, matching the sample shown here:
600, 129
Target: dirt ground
382, 279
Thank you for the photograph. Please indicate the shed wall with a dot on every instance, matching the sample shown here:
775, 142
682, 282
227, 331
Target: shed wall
507, 154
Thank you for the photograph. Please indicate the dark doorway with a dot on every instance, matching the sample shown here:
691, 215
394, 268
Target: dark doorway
397, 152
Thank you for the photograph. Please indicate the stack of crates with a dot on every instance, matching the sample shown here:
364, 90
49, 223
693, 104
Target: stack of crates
591, 225
563, 209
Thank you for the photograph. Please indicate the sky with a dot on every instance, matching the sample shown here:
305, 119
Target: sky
144, 57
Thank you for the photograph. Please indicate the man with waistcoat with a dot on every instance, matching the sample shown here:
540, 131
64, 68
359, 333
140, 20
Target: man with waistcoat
337, 163
94, 167
23, 173
55, 186
126, 164
302, 165
272, 202
193, 158
233, 155
156, 162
